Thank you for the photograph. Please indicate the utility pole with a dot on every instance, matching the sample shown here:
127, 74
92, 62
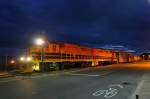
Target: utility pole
6, 63
42, 58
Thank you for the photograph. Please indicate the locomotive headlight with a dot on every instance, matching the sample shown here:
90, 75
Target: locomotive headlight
29, 59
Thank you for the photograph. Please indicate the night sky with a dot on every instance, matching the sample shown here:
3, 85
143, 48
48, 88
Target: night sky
89, 22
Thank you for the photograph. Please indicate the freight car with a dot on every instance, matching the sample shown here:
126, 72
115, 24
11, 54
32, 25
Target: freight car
58, 56
126, 57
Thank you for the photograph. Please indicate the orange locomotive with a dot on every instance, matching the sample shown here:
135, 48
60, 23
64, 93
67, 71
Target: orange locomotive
59, 56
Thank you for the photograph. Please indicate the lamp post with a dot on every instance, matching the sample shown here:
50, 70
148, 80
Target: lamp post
40, 42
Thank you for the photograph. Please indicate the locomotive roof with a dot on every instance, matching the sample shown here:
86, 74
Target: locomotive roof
58, 42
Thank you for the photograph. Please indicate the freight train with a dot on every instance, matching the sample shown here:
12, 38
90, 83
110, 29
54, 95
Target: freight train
58, 56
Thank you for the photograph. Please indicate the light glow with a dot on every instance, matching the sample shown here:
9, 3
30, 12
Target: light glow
12, 61
22, 59
40, 41
29, 59
36, 67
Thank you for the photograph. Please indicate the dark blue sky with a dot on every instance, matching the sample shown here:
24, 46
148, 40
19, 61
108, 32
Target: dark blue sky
91, 22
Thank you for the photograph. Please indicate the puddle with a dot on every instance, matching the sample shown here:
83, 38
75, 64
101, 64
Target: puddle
126, 83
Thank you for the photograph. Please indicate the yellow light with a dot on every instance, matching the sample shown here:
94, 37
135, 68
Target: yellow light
22, 59
39, 41
29, 59
36, 67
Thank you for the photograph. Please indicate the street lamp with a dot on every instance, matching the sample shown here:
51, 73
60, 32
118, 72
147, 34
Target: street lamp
41, 42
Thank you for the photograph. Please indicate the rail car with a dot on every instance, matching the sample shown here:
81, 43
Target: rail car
126, 57
58, 56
